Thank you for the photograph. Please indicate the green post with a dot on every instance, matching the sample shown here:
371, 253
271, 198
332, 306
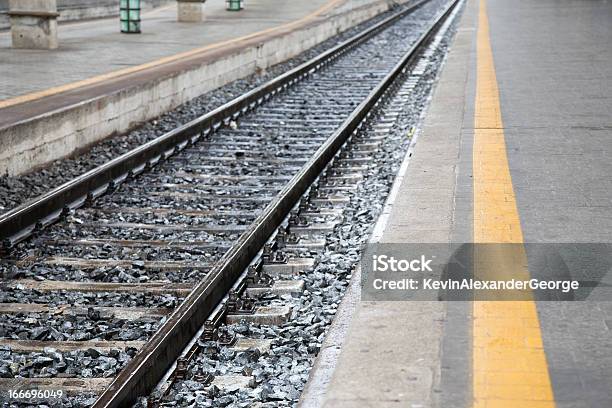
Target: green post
129, 13
234, 5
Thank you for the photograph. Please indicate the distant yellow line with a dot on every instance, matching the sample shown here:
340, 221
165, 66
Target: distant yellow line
509, 362
115, 74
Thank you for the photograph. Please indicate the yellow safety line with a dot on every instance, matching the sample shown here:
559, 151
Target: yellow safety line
509, 362
111, 75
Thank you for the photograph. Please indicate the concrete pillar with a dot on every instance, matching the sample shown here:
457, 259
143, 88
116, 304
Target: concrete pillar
34, 23
190, 11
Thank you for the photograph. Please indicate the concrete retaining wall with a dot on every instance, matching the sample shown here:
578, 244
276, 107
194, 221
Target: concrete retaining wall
82, 9
57, 134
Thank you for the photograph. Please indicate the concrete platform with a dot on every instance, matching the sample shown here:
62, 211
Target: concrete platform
515, 148
94, 48
99, 81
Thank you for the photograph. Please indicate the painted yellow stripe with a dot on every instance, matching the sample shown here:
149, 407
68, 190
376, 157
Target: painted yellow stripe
181, 56
509, 363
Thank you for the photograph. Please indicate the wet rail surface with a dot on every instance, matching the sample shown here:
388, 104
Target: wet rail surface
100, 283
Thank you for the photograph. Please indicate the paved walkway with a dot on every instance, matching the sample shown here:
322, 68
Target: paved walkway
93, 48
515, 149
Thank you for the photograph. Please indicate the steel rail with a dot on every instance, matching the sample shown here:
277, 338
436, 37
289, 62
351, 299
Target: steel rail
34, 215
144, 371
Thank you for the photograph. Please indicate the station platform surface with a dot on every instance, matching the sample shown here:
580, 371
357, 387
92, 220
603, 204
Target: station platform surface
515, 148
91, 48
95, 59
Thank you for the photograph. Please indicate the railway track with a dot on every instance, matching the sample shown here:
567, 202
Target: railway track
137, 264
